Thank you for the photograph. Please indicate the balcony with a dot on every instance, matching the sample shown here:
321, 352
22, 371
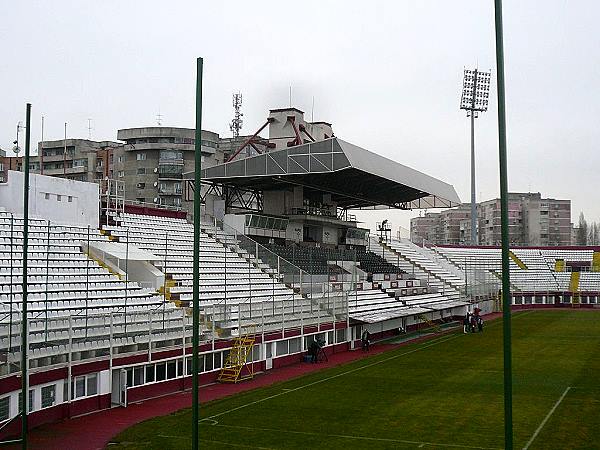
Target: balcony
59, 157
170, 176
165, 161
170, 171
169, 191
68, 171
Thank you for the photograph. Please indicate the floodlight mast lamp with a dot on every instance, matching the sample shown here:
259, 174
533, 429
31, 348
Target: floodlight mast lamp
474, 99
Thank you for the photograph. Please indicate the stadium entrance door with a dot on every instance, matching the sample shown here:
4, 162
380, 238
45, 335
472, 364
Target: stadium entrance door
119, 388
268, 355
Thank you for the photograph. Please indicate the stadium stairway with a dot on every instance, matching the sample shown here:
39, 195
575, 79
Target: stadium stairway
517, 260
234, 283
411, 260
237, 359
596, 262
574, 288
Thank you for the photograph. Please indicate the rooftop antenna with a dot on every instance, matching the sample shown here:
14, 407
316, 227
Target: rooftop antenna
89, 127
159, 118
236, 124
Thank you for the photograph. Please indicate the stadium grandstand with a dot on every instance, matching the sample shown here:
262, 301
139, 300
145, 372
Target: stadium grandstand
283, 263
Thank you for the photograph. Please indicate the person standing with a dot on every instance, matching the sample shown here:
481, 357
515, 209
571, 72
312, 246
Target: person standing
366, 336
480, 323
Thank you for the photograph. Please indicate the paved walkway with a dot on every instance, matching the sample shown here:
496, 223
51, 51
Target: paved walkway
94, 431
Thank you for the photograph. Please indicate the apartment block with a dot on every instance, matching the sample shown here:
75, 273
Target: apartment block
532, 221
152, 162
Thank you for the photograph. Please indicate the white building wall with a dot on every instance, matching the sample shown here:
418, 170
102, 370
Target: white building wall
56, 199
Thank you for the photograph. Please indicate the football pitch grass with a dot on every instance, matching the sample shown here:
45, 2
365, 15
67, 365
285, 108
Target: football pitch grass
444, 393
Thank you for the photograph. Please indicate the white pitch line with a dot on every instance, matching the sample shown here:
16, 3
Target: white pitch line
558, 402
431, 344
361, 438
322, 380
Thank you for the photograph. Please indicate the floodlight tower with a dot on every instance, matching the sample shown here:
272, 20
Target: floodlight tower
474, 99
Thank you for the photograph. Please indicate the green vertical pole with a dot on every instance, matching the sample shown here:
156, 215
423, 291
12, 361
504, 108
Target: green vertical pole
24, 376
508, 420
196, 265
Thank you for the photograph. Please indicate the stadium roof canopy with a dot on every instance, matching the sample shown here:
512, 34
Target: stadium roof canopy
356, 178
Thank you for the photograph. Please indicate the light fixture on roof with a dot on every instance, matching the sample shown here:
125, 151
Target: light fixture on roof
474, 99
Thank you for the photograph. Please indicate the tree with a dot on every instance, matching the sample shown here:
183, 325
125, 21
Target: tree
582, 230
594, 234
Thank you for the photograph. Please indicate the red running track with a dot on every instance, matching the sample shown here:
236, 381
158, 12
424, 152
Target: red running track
94, 431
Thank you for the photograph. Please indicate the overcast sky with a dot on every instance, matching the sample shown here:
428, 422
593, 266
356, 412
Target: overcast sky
386, 74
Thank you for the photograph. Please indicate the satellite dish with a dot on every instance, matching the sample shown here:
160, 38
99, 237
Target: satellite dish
16, 149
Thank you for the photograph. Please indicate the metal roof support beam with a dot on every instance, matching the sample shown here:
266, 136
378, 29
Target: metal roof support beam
298, 139
255, 148
305, 131
237, 152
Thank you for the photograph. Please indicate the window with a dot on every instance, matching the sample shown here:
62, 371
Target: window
121, 173
282, 348
92, 384
161, 371
141, 185
217, 356
171, 369
294, 345
31, 397
141, 171
58, 198
4, 408
170, 155
84, 386
70, 199
149, 373
47, 196
48, 396
79, 388
141, 199
138, 375
120, 159
208, 144
140, 157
